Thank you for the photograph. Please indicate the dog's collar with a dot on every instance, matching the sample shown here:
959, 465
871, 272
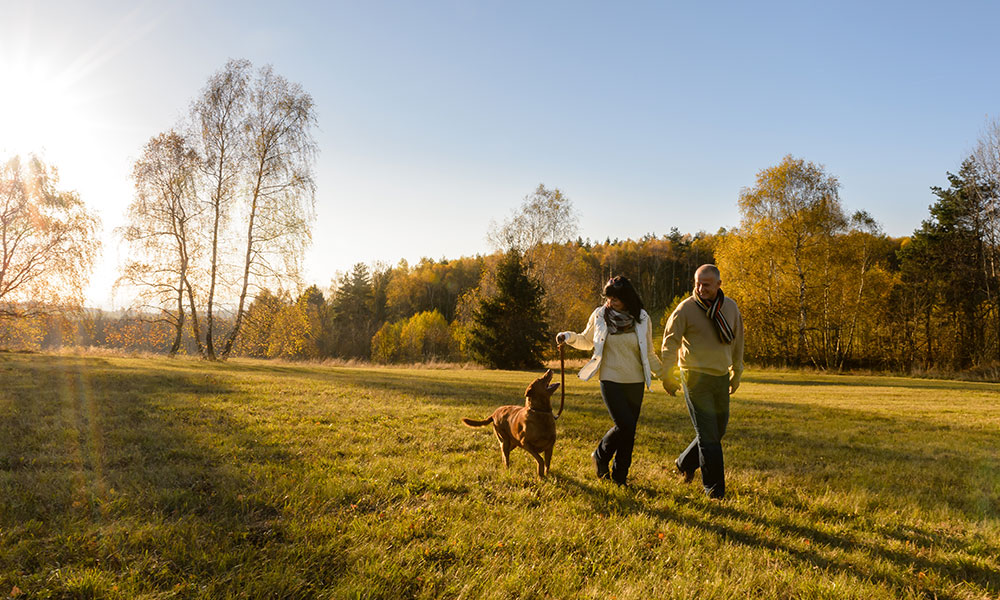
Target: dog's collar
539, 411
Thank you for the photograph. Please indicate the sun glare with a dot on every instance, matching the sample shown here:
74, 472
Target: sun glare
37, 108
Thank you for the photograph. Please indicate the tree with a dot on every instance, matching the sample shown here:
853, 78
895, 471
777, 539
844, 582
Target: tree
987, 158
508, 330
545, 217
545, 220
794, 212
161, 232
256, 332
296, 329
279, 202
48, 241
353, 314
218, 117
946, 257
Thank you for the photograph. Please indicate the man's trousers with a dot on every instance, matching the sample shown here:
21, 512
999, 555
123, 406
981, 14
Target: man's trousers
707, 398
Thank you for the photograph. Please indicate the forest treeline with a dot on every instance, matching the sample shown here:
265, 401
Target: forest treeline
222, 214
817, 286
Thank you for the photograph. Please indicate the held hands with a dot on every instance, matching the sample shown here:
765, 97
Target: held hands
670, 385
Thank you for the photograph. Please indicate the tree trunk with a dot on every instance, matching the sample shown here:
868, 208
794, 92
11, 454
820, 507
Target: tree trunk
210, 318
195, 328
180, 319
247, 259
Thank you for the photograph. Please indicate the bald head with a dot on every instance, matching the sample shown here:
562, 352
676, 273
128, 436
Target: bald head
707, 281
709, 269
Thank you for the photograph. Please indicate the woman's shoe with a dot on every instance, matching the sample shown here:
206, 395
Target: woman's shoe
603, 472
688, 476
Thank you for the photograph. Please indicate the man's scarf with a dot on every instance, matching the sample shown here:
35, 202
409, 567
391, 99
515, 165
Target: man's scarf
714, 312
618, 322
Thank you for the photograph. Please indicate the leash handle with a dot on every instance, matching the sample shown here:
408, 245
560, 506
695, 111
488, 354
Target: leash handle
562, 378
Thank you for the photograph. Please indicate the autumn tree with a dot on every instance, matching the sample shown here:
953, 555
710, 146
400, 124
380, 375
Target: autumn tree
987, 159
253, 153
538, 230
218, 118
800, 267
278, 194
296, 329
424, 336
161, 233
260, 317
48, 240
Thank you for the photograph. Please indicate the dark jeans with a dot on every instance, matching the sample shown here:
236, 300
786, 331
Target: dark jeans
707, 398
624, 400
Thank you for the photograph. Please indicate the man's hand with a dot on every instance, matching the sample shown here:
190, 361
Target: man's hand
560, 338
734, 384
670, 385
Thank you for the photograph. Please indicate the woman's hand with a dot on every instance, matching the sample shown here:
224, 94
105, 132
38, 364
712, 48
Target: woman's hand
560, 338
670, 385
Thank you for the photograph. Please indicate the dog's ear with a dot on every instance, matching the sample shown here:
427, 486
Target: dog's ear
553, 387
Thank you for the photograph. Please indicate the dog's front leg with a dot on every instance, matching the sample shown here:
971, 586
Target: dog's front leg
548, 459
539, 460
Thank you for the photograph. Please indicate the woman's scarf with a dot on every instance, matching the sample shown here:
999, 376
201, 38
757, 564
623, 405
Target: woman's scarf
714, 312
618, 322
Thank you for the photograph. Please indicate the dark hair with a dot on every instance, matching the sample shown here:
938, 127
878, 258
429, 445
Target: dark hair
620, 287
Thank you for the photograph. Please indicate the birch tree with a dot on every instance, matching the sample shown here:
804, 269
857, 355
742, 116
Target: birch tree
161, 233
279, 193
48, 241
218, 117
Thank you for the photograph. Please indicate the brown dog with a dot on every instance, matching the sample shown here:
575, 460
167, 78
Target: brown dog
532, 426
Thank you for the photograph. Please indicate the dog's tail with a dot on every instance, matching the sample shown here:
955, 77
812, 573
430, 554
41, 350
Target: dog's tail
474, 423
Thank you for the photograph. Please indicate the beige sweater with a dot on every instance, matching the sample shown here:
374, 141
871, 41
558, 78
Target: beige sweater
690, 340
595, 336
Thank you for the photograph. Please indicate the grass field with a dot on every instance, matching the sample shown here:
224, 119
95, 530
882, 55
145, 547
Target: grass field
156, 478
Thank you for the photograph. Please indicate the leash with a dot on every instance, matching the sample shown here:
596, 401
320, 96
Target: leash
562, 378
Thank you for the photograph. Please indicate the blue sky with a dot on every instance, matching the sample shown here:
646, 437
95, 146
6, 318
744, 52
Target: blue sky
438, 117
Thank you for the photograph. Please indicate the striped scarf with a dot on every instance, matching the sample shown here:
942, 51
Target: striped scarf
714, 312
618, 322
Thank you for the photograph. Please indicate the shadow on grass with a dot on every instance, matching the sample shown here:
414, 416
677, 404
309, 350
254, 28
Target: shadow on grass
737, 525
833, 380
91, 450
895, 456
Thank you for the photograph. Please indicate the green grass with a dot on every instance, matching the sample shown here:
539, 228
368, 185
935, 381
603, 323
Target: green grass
156, 478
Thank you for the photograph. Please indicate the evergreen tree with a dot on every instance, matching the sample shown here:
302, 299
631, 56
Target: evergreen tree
353, 314
508, 328
945, 263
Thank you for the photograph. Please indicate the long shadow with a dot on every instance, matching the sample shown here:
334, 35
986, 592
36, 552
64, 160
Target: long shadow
88, 444
711, 517
814, 444
874, 381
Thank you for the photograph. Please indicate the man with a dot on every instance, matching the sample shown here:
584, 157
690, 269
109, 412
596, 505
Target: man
704, 335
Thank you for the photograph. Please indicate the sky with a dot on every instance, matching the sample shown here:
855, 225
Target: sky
436, 118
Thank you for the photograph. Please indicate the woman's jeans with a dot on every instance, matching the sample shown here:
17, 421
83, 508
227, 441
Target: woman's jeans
707, 398
624, 400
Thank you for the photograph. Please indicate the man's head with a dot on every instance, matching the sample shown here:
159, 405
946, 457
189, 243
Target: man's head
707, 281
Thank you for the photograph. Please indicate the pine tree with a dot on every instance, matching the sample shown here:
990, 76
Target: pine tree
353, 315
508, 329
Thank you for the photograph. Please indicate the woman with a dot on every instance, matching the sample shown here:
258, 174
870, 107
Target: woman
621, 335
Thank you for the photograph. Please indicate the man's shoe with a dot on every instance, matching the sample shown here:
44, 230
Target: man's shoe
687, 476
603, 472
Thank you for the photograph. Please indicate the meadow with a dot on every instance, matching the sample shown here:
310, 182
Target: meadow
158, 478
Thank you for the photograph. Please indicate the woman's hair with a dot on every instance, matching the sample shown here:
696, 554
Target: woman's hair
620, 287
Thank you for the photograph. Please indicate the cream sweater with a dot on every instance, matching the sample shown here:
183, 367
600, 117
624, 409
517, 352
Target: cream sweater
595, 336
690, 340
